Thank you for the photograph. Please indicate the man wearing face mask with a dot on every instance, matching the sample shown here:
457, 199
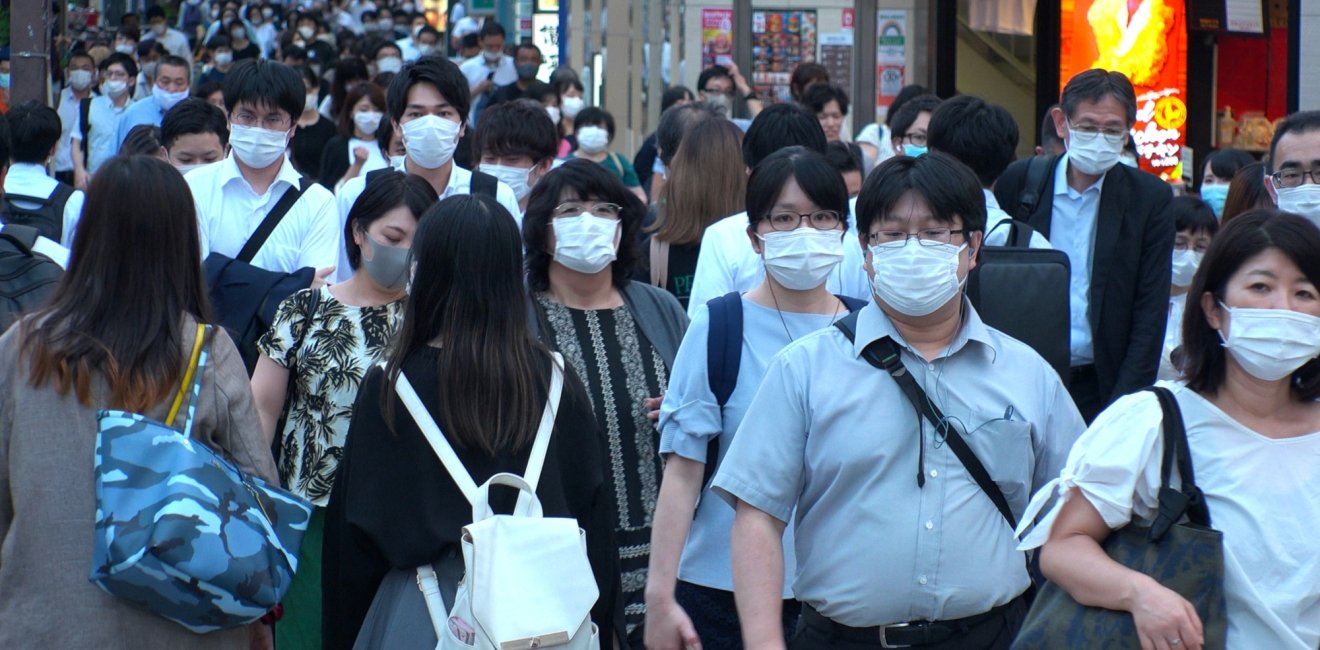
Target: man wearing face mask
517, 142
527, 62
173, 77
194, 134
427, 103
899, 544
159, 30
1294, 165
490, 70
1113, 223
719, 85
81, 79
95, 133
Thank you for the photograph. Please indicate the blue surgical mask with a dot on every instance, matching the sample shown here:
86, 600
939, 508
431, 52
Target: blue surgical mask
914, 150
1214, 195
4, 80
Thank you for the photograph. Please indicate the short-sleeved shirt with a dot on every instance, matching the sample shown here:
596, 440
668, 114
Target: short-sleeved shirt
328, 346
621, 168
1263, 494
690, 416
102, 133
835, 438
142, 111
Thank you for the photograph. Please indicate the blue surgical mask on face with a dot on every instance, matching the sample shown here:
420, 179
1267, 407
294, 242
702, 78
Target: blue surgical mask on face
914, 150
1215, 195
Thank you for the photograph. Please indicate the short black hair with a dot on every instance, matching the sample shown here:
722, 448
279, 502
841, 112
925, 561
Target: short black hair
1224, 163
386, 191
193, 115
675, 123
674, 95
309, 77
437, 71
267, 84
521, 127
151, 46
141, 140
844, 156
1049, 133
908, 114
205, 88
713, 72
1093, 86
34, 129
982, 135
905, 94
585, 179
817, 96
947, 186
175, 62
80, 54
539, 90
1191, 213
492, 28
470, 41
819, 180
373, 51
124, 60
595, 116
128, 33
155, 11
1299, 122
779, 126
528, 45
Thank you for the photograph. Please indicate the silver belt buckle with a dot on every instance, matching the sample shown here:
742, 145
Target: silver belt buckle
884, 640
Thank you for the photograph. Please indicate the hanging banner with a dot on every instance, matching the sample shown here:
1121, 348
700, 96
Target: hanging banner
780, 41
891, 51
716, 37
545, 35
1145, 40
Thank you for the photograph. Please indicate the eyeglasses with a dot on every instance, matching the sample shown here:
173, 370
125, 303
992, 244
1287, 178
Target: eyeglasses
1285, 178
1091, 129
272, 121
926, 237
918, 139
575, 208
719, 91
820, 220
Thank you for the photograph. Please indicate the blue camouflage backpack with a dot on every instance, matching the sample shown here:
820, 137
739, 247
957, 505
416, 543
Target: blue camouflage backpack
181, 530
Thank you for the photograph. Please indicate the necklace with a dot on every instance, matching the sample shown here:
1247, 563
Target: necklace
780, 312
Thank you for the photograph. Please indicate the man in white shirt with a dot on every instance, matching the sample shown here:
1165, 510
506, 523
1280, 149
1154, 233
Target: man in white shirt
491, 70
727, 261
411, 45
174, 41
101, 133
427, 103
80, 76
236, 194
42, 202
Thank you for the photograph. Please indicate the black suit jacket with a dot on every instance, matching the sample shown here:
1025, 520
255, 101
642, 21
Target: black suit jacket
1130, 270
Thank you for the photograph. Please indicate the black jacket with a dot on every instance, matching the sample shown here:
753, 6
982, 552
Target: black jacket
1130, 270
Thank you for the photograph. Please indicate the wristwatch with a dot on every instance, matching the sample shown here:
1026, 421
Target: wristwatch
751, 95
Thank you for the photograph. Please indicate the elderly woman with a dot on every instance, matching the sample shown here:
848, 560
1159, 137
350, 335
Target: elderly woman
619, 336
1248, 400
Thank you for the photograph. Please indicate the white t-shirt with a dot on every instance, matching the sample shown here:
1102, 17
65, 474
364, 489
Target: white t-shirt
1263, 494
1172, 338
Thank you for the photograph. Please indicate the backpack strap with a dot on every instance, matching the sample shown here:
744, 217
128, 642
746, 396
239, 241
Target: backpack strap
483, 184
724, 346
659, 262
853, 304
85, 126
536, 462
22, 237
273, 219
1033, 188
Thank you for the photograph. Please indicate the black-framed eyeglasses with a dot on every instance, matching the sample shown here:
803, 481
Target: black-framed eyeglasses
918, 139
575, 208
925, 237
820, 220
1286, 178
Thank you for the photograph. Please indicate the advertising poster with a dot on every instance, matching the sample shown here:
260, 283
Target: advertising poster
1147, 42
716, 37
545, 35
891, 49
780, 41
836, 54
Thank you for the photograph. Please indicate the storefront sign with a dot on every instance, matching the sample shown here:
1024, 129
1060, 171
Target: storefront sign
891, 50
780, 41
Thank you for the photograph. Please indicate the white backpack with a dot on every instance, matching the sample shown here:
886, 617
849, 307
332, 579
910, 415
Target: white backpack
527, 581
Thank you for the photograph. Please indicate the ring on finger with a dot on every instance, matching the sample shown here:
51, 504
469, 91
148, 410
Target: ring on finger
1174, 641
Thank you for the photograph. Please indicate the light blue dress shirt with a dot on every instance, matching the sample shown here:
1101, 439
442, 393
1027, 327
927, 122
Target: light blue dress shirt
143, 111
1072, 230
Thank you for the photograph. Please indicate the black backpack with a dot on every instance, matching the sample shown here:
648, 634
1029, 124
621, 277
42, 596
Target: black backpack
481, 183
48, 218
26, 278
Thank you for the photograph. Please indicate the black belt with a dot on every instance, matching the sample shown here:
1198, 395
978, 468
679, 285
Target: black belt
904, 635
1079, 373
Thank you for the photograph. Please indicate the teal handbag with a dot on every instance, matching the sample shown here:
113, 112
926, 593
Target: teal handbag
181, 530
1187, 557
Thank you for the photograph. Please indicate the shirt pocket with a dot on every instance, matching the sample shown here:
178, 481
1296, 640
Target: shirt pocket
1004, 447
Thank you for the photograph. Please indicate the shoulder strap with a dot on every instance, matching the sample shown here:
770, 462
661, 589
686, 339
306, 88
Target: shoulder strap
1187, 499
85, 126
853, 304
22, 237
536, 461
196, 366
884, 354
273, 219
724, 345
187, 375
483, 184
659, 262
1033, 186
60, 197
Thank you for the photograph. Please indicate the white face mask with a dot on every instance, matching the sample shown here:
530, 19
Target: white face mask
593, 139
224, 58
1094, 153
1184, 267
720, 102
492, 57
80, 79
184, 169
396, 162
166, 99
114, 87
389, 64
307, 32
159, 29
125, 48
913, 278
515, 177
257, 147
1271, 344
801, 259
430, 140
367, 121
573, 106
1303, 200
553, 112
585, 243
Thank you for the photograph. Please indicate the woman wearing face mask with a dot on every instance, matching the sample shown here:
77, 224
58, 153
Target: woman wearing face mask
264, 33
354, 150
243, 46
580, 230
313, 129
594, 129
571, 102
1196, 225
315, 355
797, 206
348, 73
1217, 172
1253, 428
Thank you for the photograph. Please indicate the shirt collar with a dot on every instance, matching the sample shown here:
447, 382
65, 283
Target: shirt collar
873, 324
1061, 185
991, 203
27, 168
229, 172
459, 179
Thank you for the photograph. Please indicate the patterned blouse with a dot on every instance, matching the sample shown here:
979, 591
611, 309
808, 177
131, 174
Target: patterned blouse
620, 369
328, 347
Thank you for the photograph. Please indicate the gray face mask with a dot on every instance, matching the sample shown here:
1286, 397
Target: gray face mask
388, 266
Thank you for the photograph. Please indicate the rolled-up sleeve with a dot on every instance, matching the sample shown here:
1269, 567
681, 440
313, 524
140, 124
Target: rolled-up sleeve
689, 415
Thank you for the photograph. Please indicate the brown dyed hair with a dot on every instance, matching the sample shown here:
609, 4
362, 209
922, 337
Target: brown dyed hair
705, 183
355, 95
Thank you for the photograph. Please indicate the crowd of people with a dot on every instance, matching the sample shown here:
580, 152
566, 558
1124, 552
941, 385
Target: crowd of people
783, 421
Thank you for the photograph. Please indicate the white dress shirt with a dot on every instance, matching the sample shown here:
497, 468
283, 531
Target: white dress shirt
103, 133
229, 211
476, 69
68, 111
1072, 230
728, 263
460, 182
174, 42
27, 179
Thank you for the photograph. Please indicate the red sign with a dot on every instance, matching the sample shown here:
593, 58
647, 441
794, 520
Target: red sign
849, 18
